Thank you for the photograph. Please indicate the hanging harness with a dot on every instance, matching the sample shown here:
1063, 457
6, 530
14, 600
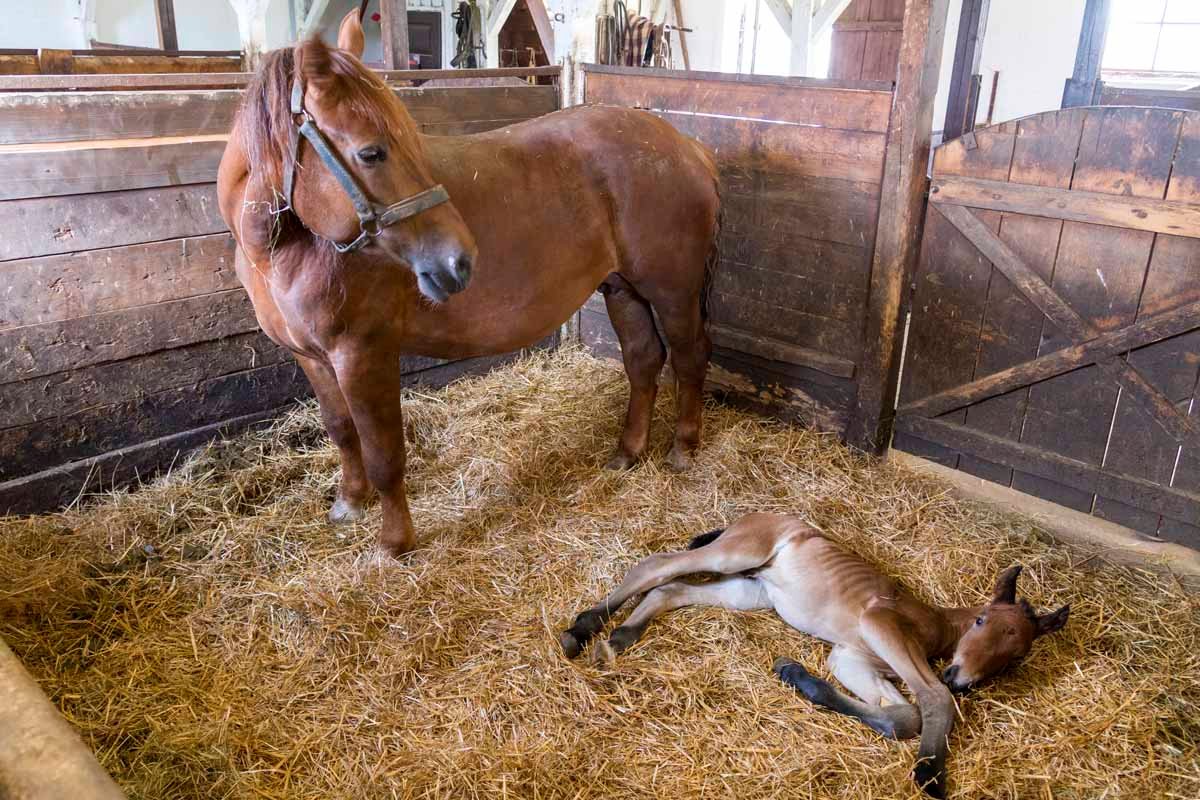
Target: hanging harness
372, 218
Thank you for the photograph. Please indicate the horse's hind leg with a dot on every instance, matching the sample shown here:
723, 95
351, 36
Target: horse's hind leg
683, 325
355, 488
643, 353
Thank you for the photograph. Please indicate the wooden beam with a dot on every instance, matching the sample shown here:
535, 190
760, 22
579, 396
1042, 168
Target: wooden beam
1081, 86
775, 350
782, 11
901, 215
1153, 329
165, 11
1097, 208
1136, 492
541, 23
312, 19
960, 110
252, 29
1030, 284
683, 47
394, 32
801, 36
828, 14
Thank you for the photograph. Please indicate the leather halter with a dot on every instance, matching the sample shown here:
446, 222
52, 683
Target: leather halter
372, 218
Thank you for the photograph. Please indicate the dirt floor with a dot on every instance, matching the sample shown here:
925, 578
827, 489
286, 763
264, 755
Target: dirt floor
212, 636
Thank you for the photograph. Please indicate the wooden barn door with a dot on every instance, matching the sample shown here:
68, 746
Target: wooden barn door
1055, 332
866, 41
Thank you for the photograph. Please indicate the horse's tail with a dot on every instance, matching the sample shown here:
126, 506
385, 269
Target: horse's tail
714, 252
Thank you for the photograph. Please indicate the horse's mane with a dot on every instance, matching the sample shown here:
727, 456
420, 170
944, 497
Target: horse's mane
266, 126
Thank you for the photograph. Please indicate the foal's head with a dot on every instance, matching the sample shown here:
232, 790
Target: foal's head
374, 138
1002, 633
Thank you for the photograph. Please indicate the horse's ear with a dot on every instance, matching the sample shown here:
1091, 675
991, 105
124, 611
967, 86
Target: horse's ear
315, 64
350, 35
1006, 585
1049, 623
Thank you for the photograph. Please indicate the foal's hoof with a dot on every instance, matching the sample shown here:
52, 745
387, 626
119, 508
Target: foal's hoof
818, 691
930, 778
621, 462
679, 459
344, 512
570, 645
603, 655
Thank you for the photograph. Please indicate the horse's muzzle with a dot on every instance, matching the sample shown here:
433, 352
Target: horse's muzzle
443, 277
950, 678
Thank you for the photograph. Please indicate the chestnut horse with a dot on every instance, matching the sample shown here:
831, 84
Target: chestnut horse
879, 631
361, 240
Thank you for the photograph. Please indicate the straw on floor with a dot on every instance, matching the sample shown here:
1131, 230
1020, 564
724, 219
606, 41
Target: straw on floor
212, 636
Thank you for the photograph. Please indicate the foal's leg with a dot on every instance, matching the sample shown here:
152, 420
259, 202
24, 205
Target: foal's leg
371, 386
690, 351
355, 489
739, 594
742, 547
643, 353
900, 720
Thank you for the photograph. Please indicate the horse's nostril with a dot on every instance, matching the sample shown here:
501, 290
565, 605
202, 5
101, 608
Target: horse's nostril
461, 267
950, 673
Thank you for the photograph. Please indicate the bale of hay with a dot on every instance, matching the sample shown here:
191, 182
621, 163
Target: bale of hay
211, 636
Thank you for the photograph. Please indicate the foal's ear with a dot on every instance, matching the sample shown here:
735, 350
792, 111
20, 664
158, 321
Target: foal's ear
350, 35
1006, 585
1049, 623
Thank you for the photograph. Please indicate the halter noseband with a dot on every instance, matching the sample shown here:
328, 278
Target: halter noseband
372, 219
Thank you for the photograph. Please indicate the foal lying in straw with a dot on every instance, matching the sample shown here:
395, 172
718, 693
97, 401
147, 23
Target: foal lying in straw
878, 630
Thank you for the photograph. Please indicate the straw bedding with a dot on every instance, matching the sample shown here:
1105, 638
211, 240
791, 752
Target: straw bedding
212, 637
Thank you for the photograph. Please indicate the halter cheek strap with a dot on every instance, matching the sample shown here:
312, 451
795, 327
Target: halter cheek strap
372, 218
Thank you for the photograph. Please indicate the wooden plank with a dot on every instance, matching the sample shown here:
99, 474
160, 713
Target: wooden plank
1145, 332
789, 252
1160, 98
901, 211
478, 102
48, 225
1135, 213
41, 445
1088, 53
62, 287
1080, 475
747, 382
1062, 315
84, 116
65, 393
800, 103
105, 166
844, 212
393, 32
164, 10
735, 77
18, 64
37, 350
968, 50
822, 334
869, 25
131, 63
826, 297
847, 51
776, 350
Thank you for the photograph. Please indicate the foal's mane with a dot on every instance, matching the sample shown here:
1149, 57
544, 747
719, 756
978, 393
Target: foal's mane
266, 125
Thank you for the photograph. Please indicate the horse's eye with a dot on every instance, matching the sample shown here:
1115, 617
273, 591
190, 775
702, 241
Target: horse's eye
372, 155
979, 620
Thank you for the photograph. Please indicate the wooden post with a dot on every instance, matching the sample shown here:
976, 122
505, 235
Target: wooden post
901, 214
801, 35
252, 28
1081, 85
165, 11
964, 92
394, 31
683, 48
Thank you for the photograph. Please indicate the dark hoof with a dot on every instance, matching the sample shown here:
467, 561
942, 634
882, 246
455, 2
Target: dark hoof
930, 778
679, 459
570, 645
796, 676
621, 461
623, 638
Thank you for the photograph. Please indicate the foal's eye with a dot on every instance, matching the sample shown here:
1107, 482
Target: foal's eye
372, 155
979, 620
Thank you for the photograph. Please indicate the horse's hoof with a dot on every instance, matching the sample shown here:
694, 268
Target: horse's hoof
344, 512
621, 462
930, 778
602, 654
396, 549
570, 645
679, 459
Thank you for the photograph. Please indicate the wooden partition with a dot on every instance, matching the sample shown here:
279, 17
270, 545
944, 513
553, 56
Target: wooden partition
801, 164
124, 334
866, 41
1109, 95
106, 62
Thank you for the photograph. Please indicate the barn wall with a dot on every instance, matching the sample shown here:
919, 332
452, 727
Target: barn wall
124, 334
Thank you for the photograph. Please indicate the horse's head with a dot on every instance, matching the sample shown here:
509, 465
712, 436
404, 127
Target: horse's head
398, 211
1001, 634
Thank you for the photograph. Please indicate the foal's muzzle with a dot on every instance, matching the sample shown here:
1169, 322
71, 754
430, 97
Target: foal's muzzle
950, 678
438, 278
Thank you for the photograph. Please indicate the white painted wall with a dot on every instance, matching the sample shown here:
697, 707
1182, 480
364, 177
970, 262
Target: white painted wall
45, 23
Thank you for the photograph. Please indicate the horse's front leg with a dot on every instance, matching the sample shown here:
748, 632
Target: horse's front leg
883, 631
370, 382
355, 489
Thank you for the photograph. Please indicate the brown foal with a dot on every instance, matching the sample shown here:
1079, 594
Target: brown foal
381, 242
879, 631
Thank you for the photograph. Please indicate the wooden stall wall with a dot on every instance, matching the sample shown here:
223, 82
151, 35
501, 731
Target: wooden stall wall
801, 164
1055, 333
125, 336
866, 41
108, 62
1108, 95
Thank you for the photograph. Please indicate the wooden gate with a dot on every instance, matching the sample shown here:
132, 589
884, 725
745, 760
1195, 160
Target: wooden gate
1054, 343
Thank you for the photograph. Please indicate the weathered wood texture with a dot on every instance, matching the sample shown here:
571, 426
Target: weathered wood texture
110, 62
1054, 344
866, 41
1108, 95
800, 162
125, 336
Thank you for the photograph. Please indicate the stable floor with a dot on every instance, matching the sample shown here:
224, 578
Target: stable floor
212, 636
